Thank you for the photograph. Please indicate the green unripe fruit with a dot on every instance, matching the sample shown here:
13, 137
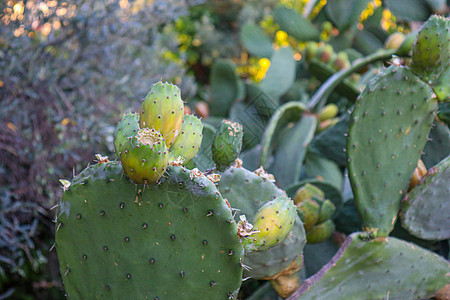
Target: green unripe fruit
327, 27
320, 232
341, 62
127, 127
145, 156
227, 144
310, 210
394, 41
328, 112
273, 221
307, 191
311, 51
163, 110
326, 53
327, 209
189, 140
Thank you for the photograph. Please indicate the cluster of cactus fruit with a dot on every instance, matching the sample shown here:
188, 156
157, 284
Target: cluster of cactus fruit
164, 231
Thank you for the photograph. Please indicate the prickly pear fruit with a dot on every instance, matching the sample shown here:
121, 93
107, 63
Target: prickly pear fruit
328, 112
320, 232
326, 53
311, 51
227, 144
341, 61
202, 109
307, 191
310, 210
189, 140
128, 126
327, 209
394, 41
163, 110
145, 156
273, 221
431, 53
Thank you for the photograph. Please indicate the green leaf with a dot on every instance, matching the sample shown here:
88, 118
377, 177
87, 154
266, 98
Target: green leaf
224, 86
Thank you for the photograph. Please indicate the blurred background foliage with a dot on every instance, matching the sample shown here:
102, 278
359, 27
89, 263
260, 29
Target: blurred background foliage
68, 68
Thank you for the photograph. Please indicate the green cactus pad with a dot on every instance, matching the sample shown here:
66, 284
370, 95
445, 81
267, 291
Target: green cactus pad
163, 110
431, 54
274, 221
438, 146
286, 139
383, 268
426, 211
127, 127
389, 128
227, 144
175, 239
145, 156
295, 24
189, 140
247, 192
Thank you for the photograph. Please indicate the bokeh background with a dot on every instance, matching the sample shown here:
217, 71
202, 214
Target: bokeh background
69, 68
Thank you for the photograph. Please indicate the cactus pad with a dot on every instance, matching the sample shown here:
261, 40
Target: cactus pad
128, 126
175, 239
426, 211
431, 53
162, 109
389, 128
383, 268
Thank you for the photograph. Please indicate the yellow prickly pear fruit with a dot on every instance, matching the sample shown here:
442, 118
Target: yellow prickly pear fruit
394, 41
320, 232
307, 191
271, 224
328, 112
310, 210
327, 209
163, 110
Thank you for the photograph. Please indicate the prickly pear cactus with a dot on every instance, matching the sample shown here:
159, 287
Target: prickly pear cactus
426, 210
162, 109
227, 144
189, 140
175, 239
388, 130
128, 126
145, 156
377, 269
